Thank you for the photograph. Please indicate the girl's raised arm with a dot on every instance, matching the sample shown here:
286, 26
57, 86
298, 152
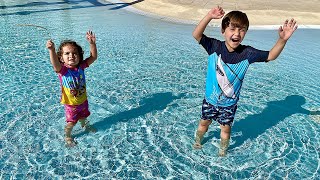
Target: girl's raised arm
91, 38
53, 56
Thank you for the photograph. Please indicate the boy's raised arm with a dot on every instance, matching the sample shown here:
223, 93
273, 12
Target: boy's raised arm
214, 13
285, 32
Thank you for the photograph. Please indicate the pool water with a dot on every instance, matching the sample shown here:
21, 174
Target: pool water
145, 93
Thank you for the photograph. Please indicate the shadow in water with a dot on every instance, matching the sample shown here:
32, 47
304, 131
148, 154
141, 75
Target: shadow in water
75, 5
156, 102
254, 125
126, 4
33, 4
276, 111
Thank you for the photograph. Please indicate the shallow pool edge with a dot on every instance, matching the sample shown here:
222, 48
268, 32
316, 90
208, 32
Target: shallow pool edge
130, 8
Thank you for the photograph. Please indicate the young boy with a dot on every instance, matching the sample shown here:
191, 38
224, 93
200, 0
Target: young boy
227, 64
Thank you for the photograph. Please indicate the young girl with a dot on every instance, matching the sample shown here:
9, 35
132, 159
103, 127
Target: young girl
68, 63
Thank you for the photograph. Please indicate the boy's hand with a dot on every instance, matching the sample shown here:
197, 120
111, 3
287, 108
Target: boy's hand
91, 38
50, 44
287, 29
216, 13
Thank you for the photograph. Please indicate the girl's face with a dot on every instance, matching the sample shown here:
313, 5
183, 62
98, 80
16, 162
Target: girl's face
70, 56
233, 36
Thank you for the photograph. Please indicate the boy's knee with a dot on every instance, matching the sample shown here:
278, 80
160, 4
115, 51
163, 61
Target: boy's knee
225, 128
205, 123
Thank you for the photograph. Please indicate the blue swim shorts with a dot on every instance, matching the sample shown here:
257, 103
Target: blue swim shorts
223, 115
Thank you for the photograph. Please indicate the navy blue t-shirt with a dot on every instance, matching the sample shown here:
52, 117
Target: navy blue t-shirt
226, 70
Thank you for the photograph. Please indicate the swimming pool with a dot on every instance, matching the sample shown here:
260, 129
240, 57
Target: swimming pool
145, 93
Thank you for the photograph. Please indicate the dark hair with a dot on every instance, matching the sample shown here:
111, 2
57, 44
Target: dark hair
235, 18
72, 43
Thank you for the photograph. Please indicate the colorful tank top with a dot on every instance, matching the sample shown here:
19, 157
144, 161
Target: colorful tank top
73, 84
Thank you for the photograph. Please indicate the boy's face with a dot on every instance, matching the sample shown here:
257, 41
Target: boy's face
70, 56
233, 36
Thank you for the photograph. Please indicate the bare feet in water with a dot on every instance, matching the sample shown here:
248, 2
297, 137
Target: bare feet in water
199, 138
70, 142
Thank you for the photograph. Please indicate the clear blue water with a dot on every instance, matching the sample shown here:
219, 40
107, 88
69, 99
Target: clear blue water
145, 93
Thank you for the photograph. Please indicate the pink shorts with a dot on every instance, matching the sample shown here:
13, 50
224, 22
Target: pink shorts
76, 112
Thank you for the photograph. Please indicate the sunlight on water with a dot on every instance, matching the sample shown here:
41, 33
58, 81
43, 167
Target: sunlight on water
145, 93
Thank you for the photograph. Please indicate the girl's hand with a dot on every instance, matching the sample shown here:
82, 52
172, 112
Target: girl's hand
216, 13
50, 44
91, 38
287, 29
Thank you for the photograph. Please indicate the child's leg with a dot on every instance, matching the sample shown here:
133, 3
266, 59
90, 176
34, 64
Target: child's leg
69, 140
85, 123
202, 129
225, 138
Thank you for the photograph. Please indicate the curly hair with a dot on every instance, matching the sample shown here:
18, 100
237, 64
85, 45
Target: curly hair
235, 18
72, 43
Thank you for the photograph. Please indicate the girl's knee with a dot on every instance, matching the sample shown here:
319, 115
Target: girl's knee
70, 124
